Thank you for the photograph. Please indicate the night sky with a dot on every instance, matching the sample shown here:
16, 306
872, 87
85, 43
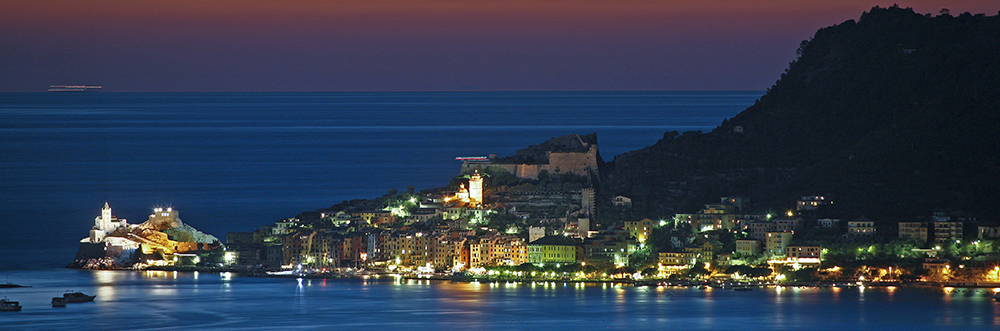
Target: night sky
415, 45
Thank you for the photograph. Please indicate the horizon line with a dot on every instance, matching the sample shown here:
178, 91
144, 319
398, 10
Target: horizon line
385, 91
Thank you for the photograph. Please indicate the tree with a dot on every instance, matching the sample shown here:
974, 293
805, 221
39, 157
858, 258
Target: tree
697, 271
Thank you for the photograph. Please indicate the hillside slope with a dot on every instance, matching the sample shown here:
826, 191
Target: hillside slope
894, 115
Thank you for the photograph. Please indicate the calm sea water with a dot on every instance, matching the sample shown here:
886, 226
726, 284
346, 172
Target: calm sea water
234, 162
212, 301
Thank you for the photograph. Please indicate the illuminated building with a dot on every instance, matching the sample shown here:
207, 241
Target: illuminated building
552, 249
947, 232
799, 256
463, 193
812, 202
100, 243
446, 250
476, 189
472, 195
949, 226
861, 226
640, 230
408, 248
787, 224
165, 216
776, 242
497, 250
748, 246
605, 252
722, 215
803, 251
677, 260
609, 246
936, 266
106, 224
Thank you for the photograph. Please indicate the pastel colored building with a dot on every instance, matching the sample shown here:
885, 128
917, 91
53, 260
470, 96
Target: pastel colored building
748, 246
552, 249
640, 230
776, 242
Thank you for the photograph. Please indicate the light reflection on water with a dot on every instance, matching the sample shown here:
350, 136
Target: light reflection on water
167, 300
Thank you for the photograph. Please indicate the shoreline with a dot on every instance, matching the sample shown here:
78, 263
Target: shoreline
369, 275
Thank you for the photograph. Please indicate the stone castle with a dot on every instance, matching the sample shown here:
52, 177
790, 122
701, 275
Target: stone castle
569, 154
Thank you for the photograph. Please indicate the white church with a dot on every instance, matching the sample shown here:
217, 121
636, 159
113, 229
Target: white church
105, 225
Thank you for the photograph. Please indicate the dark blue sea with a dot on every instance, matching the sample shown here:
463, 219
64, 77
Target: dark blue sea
234, 162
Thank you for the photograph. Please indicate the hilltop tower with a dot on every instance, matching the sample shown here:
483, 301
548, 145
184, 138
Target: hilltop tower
164, 216
476, 189
105, 224
106, 215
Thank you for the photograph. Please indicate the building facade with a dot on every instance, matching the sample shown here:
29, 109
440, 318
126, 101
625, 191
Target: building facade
776, 243
552, 249
947, 232
861, 227
914, 230
804, 251
640, 230
748, 246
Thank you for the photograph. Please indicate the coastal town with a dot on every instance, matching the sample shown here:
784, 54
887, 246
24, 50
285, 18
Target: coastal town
536, 216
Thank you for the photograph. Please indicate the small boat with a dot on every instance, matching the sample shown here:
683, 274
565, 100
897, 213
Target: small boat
8, 305
59, 302
74, 297
742, 288
996, 297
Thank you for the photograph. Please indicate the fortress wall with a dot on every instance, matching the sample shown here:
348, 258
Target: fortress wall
575, 163
579, 163
528, 170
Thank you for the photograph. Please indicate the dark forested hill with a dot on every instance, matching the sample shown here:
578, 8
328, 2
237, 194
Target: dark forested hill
895, 115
